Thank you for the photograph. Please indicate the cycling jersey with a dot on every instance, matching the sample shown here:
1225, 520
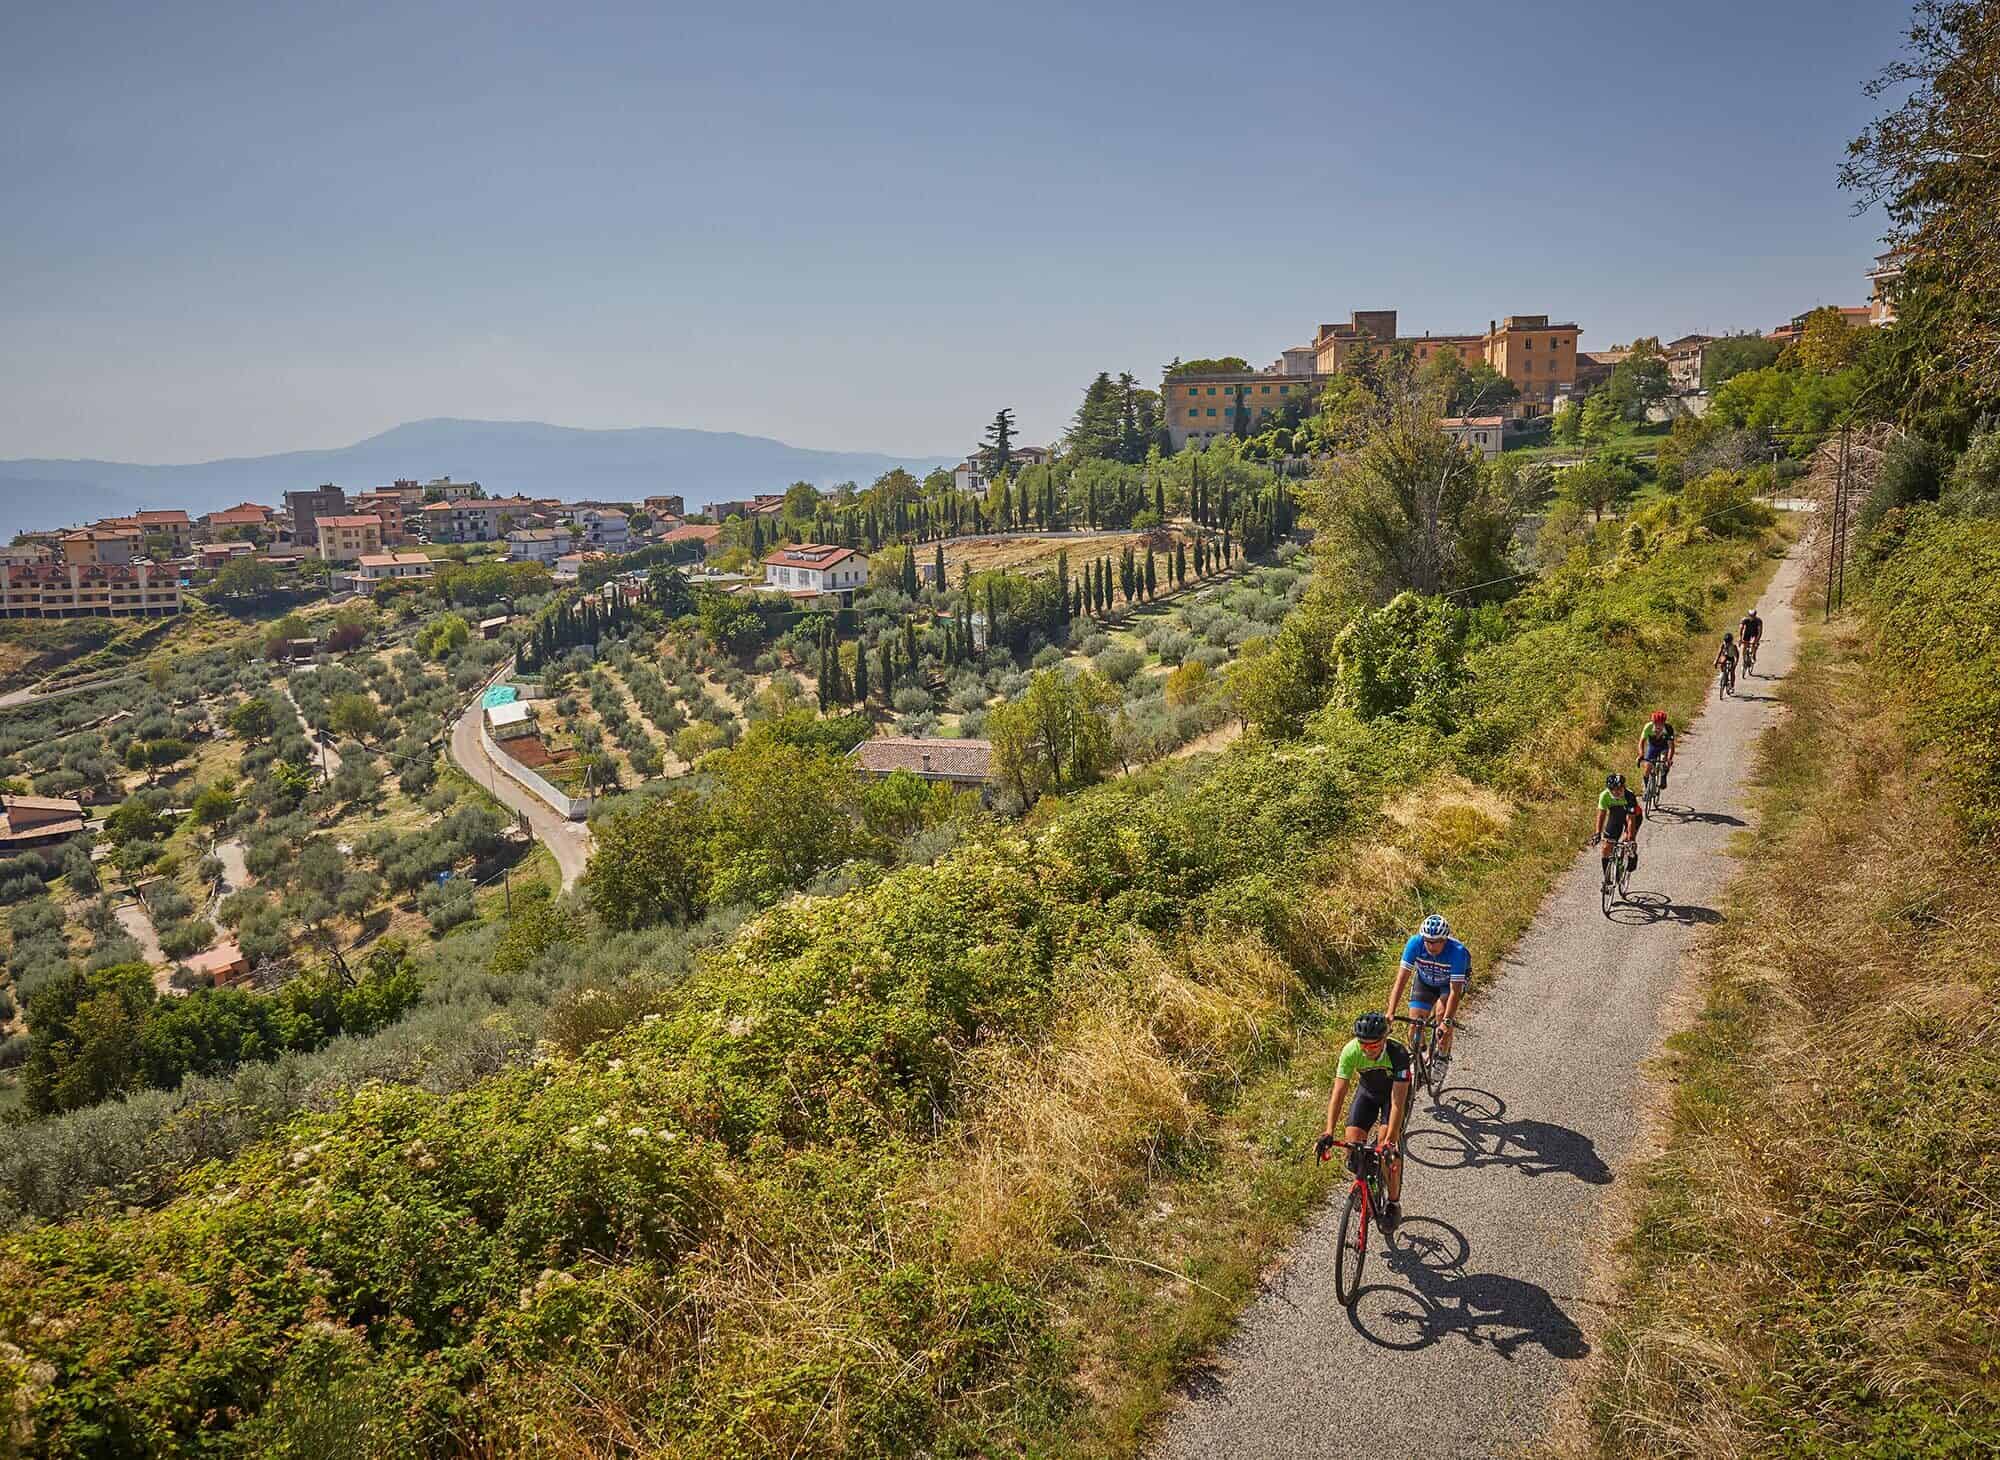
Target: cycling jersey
1657, 741
1436, 972
1728, 653
1375, 1077
1752, 628
1618, 808
1375, 1072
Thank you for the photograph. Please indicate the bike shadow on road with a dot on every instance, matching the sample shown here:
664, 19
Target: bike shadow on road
1472, 1130
1436, 1298
1688, 816
1646, 909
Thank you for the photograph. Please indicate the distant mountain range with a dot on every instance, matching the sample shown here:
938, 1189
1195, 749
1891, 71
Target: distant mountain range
503, 456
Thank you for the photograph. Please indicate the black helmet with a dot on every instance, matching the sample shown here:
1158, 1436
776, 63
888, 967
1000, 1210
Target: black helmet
1615, 781
1372, 1026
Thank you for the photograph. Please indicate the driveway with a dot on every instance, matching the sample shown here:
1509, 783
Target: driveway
568, 841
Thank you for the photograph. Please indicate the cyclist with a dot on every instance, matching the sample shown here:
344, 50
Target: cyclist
1726, 656
1379, 1070
1436, 966
1618, 816
1750, 634
1656, 742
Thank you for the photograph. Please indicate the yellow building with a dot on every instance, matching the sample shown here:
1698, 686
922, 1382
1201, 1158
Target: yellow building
92, 546
1200, 408
346, 539
1537, 356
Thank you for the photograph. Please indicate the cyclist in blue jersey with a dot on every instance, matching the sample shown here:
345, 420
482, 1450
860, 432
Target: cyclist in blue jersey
1436, 967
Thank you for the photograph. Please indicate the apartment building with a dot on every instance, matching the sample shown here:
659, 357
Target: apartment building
1882, 280
91, 546
609, 532
306, 509
390, 509
346, 538
81, 590
444, 489
537, 544
667, 506
463, 520
27, 554
244, 517
174, 525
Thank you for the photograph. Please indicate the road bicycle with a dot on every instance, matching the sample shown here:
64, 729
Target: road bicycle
1427, 1063
1367, 1195
1749, 656
1728, 678
1617, 875
1656, 779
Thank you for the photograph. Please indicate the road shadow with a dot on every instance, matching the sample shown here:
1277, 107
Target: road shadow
1647, 909
1430, 1296
1472, 1130
1688, 816
1757, 699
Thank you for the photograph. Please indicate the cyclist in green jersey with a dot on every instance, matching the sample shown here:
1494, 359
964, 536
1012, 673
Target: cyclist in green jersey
1618, 816
1379, 1070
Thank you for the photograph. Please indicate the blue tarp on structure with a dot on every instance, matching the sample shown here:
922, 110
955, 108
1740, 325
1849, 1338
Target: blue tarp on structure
499, 694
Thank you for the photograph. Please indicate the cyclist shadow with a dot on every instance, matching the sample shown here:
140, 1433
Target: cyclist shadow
1438, 1299
1646, 909
1473, 1130
1688, 816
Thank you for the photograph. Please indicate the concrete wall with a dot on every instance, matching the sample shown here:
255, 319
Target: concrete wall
561, 802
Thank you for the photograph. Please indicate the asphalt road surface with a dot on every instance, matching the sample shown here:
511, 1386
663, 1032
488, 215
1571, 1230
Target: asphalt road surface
568, 841
1468, 1329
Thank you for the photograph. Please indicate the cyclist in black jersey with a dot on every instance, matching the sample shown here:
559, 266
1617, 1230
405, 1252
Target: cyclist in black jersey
1750, 634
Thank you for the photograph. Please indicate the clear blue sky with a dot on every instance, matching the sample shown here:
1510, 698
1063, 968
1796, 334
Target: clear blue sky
237, 228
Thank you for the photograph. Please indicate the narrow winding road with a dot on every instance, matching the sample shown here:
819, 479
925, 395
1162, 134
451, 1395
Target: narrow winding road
568, 841
1469, 1328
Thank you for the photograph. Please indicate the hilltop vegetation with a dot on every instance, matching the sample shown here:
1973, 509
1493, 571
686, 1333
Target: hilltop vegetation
828, 1185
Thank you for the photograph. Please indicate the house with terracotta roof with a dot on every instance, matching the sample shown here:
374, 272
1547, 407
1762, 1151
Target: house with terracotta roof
244, 517
172, 524
462, 520
92, 546
375, 569
966, 765
32, 821
816, 568
692, 540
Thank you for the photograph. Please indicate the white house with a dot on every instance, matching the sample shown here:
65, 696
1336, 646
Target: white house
375, 569
537, 544
816, 568
609, 532
1481, 433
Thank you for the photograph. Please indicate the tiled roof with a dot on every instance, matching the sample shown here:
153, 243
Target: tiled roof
962, 760
814, 555
690, 532
350, 521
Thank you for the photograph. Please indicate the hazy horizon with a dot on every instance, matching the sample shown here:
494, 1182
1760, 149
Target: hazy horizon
865, 229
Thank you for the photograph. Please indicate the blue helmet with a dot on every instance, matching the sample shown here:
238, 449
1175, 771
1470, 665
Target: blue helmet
1435, 927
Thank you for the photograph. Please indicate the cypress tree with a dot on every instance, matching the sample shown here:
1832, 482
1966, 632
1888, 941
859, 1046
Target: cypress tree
860, 673
1152, 584
1062, 579
939, 565
1160, 498
1180, 563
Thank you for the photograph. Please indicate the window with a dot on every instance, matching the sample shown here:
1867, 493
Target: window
1529, 343
1263, 390
1211, 390
1211, 410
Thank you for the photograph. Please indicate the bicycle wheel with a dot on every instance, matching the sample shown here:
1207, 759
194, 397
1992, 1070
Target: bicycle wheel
1352, 1254
1608, 890
1624, 872
1434, 1069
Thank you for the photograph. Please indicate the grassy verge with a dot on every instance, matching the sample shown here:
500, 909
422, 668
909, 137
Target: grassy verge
1177, 1275
1815, 1265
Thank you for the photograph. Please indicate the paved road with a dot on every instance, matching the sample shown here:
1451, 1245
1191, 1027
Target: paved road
567, 841
1479, 1312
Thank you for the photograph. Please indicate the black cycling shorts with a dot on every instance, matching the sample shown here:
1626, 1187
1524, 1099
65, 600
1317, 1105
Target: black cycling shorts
1366, 1109
1614, 828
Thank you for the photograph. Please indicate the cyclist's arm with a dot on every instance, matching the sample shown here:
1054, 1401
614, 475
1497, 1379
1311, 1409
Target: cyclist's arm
1451, 1000
1404, 972
1598, 831
1336, 1107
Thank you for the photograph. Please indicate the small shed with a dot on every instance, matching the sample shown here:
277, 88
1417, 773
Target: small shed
507, 721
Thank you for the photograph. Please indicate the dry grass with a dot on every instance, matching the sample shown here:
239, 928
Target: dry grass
1817, 1258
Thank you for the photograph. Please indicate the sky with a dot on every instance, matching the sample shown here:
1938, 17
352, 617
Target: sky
233, 229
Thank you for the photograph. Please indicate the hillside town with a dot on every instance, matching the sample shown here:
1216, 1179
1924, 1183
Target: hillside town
350, 542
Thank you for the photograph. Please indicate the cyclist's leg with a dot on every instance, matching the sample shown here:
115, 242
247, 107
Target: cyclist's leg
1448, 1011
1362, 1113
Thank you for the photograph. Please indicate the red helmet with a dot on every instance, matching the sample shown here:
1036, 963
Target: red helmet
1659, 717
